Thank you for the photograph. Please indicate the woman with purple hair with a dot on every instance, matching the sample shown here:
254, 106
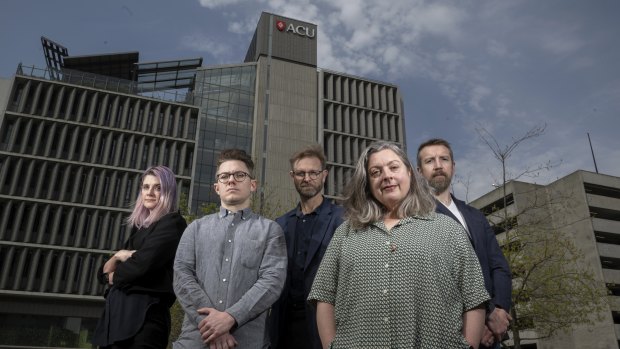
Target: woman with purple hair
139, 277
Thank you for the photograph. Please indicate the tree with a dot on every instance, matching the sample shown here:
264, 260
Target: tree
552, 289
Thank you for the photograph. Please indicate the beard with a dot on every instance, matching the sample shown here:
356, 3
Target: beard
440, 184
308, 190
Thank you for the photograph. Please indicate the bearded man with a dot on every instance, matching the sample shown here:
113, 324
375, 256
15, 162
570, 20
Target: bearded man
436, 164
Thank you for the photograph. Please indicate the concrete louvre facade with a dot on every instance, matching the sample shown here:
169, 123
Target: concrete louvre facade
584, 207
70, 164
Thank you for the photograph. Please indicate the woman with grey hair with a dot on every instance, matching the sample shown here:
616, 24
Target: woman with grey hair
396, 274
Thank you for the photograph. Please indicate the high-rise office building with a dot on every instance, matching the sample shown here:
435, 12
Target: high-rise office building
585, 208
75, 137
278, 101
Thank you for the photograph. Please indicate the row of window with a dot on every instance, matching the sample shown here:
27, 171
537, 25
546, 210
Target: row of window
361, 122
47, 224
353, 91
67, 183
76, 104
97, 146
55, 271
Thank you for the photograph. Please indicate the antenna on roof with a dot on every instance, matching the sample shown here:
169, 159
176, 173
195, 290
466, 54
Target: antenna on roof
592, 150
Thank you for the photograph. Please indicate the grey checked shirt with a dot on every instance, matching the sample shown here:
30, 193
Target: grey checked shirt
234, 263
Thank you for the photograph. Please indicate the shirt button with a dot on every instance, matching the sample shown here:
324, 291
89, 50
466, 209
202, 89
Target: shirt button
387, 265
385, 291
226, 259
221, 301
386, 319
387, 242
224, 280
229, 240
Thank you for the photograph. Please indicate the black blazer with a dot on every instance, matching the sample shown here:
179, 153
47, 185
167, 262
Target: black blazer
328, 220
495, 270
149, 270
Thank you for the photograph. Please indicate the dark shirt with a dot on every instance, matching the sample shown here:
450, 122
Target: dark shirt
304, 226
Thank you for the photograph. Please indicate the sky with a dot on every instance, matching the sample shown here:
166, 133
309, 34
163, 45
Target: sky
463, 67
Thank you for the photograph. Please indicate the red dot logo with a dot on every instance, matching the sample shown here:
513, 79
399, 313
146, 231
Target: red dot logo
280, 25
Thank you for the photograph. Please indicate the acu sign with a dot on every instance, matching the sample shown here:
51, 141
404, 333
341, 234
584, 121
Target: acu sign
297, 29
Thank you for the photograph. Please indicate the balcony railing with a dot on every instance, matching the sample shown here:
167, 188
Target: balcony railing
103, 82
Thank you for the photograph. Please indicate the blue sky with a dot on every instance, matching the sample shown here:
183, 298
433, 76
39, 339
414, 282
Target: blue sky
461, 65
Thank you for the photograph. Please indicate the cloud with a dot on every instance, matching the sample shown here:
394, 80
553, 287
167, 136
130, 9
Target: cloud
201, 43
501, 65
478, 94
218, 3
561, 43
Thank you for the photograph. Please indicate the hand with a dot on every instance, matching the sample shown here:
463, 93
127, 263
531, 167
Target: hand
110, 277
123, 255
225, 341
498, 322
487, 337
215, 324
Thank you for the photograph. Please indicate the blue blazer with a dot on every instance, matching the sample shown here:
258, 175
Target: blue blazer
330, 218
495, 270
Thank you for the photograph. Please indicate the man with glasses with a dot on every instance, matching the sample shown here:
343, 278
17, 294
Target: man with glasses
230, 266
308, 229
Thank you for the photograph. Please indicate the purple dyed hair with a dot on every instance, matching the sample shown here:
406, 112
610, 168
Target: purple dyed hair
141, 217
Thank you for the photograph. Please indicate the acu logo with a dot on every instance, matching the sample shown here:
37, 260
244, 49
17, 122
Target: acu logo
297, 29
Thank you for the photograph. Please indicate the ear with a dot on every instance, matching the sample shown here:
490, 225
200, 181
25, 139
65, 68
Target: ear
216, 187
253, 185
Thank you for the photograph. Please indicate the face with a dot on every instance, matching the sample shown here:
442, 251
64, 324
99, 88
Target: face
389, 178
306, 186
234, 195
437, 167
151, 192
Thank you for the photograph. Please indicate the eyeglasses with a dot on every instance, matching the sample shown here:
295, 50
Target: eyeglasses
311, 174
239, 176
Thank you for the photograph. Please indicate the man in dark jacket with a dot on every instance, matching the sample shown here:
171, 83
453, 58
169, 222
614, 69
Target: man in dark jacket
436, 164
308, 229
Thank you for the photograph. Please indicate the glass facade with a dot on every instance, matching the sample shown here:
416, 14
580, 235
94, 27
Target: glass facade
46, 331
226, 97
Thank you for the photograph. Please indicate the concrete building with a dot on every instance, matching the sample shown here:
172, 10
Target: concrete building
75, 137
583, 207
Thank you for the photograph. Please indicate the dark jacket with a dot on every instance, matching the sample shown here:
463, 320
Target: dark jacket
495, 270
142, 283
149, 270
330, 217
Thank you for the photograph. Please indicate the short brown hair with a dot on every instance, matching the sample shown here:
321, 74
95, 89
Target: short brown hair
310, 151
236, 154
434, 141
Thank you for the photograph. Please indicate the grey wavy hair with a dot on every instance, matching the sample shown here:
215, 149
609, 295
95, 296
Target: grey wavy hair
361, 207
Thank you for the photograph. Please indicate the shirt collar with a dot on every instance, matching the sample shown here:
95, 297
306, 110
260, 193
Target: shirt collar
245, 213
317, 210
406, 220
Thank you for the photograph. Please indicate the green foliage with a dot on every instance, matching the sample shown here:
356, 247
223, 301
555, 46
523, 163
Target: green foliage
552, 289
